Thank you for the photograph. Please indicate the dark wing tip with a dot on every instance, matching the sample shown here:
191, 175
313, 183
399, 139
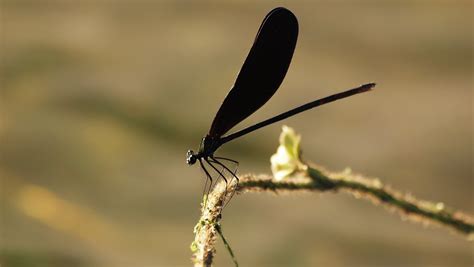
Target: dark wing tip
282, 14
281, 11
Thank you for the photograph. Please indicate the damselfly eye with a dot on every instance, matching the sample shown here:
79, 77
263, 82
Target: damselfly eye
190, 157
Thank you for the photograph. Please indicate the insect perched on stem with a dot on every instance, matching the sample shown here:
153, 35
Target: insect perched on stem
261, 75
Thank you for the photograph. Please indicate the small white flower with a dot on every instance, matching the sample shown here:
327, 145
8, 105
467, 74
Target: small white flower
287, 158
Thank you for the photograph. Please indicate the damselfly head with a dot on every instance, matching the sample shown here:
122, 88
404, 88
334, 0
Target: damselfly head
190, 157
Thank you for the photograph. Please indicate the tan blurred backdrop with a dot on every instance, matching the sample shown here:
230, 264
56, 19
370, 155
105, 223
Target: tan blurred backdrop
101, 99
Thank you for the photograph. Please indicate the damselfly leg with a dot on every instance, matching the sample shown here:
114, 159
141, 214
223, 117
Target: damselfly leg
233, 173
208, 178
221, 174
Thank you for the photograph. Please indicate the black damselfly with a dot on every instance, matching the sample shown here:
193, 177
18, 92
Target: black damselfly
261, 75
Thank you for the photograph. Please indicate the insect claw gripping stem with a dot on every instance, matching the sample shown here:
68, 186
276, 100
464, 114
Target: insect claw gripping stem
233, 175
220, 175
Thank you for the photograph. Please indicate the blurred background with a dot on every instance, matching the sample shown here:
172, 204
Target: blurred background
101, 99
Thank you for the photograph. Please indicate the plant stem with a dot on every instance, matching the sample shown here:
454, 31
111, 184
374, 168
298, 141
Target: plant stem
320, 180
312, 179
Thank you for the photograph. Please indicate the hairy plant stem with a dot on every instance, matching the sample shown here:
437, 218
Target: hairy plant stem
208, 227
312, 179
319, 180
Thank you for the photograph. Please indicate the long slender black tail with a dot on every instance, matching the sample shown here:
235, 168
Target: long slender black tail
361, 89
